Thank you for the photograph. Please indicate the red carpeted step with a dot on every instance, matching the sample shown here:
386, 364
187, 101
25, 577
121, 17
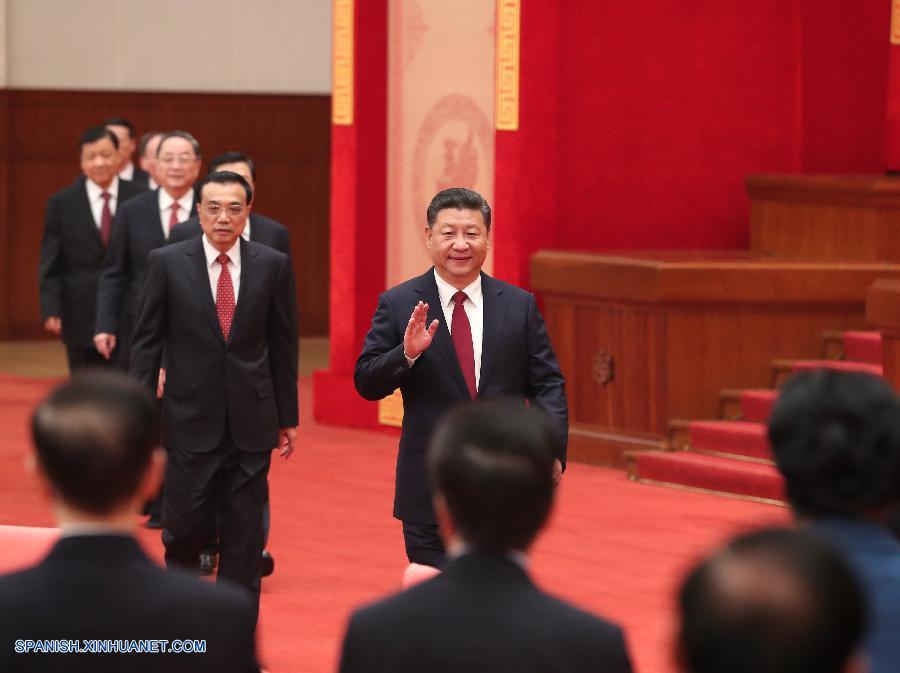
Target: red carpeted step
756, 405
739, 438
711, 473
839, 365
863, 347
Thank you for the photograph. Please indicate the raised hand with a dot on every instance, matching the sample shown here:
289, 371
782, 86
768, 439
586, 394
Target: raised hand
417, 337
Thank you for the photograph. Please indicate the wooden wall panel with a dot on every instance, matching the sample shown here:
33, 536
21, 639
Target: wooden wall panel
287, 136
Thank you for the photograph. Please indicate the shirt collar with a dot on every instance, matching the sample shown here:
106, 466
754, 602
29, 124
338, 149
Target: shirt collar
520, 558
185, 202
446, 290
234, 253
94, 190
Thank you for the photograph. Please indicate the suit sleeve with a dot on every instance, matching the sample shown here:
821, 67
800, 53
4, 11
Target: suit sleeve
114, 278
150, 327
352, 660
381, 367
282, 335
49, 268
546, 386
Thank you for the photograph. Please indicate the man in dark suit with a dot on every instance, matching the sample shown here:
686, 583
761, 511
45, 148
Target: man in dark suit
772, 601
124, 131
492, 466
259, 229
96, 454
77, 227
469, 336
225, 310
141, 227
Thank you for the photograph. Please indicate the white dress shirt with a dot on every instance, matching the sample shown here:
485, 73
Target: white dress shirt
165, 209
215, 269
474, 308
95, 198
127, 173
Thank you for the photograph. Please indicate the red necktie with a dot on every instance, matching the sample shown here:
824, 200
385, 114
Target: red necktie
105, 220
224, 296
461, 334
173, 218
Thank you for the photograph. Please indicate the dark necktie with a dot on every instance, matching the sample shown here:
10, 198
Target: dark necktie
225, 296
173, 218
461, 334
105, 220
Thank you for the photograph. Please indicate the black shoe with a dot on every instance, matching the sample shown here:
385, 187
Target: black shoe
266, 564
208, 562
154, 522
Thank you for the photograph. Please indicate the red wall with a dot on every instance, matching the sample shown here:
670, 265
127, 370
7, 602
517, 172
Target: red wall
662, 109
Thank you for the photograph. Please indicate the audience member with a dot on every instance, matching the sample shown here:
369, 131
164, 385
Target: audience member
124, 131
492, 470
77, 227
147, 147
140, 227
96, 455
772, 601
836, 440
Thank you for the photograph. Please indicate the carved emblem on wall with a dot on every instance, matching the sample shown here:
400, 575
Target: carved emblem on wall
453, 148
603, 371
342, 63
507, 66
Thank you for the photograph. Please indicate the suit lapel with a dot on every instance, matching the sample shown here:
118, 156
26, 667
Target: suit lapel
200, 278
427, 288
248, 279
494, 315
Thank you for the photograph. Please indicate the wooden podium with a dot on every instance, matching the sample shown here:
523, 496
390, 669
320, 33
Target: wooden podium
649, 337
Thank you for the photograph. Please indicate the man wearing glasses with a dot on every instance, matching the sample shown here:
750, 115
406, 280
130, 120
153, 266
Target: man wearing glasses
225, 311
142, 225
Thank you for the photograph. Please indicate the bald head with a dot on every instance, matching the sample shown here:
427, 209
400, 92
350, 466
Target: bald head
775, 601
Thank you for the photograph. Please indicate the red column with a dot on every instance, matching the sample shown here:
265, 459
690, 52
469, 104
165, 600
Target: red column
358, 221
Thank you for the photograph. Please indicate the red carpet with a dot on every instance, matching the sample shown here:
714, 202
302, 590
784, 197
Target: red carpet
613, 547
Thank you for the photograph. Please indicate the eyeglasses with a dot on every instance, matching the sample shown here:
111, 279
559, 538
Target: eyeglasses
215, 209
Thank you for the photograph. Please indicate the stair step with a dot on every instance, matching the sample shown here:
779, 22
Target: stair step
756, 405
863, 347
784, 368
679, 438
732, 438
708, 473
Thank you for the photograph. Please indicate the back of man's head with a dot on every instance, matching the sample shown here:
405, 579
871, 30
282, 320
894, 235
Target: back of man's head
491, 464
836, 439
774, 601
94, 437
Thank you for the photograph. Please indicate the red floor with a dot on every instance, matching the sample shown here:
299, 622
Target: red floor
614, 547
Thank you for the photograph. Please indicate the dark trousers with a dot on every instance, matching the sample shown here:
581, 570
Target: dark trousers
424, 544
189, 501
84, 357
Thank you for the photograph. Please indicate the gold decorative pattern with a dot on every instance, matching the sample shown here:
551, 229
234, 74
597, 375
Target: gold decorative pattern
390, 410
603, 371
507, 65
895, 22
342, 64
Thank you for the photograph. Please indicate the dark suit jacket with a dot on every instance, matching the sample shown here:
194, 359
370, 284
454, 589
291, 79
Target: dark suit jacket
481, 614
104, 587
516, 360
136, 231
247, 385
72, 256
262, 230
140, 176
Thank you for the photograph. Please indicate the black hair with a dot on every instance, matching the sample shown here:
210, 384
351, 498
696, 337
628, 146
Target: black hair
179, 134
492, 463
222, 178
771, 601
121, 121
461, 199
145, 140
232, 157
96, 133
836, 439
94, 437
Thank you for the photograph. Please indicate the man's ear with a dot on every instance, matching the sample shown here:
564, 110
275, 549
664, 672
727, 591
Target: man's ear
35, 471
445, 522
427, 236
